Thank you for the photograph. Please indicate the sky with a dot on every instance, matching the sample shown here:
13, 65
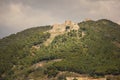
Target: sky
17, 15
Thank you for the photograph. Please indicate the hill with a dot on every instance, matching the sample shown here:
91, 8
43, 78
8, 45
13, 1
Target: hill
55, 52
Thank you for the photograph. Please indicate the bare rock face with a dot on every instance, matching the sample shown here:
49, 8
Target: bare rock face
59, 29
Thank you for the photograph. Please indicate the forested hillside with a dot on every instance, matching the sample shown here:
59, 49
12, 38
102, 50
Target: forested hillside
16, 47
93, 50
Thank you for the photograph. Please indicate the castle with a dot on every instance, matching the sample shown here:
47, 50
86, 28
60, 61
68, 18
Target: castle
65, 27
59, 29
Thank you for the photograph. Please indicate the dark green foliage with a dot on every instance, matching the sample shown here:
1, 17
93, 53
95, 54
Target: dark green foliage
62, 77
51, 71
16, 47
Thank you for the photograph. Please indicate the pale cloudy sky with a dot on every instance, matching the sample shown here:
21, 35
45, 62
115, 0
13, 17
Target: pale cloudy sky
17, 15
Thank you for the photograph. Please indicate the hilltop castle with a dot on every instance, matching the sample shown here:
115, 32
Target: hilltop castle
59, 29
65, 27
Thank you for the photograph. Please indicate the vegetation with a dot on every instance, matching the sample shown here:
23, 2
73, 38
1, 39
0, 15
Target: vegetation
95, 54
15, 48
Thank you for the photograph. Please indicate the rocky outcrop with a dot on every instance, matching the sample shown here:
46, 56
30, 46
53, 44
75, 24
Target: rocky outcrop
59, 29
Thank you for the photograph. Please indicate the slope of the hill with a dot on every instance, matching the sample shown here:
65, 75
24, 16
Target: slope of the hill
93, 49
17, 46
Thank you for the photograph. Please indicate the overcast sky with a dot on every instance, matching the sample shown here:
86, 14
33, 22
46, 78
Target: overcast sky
17, 15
